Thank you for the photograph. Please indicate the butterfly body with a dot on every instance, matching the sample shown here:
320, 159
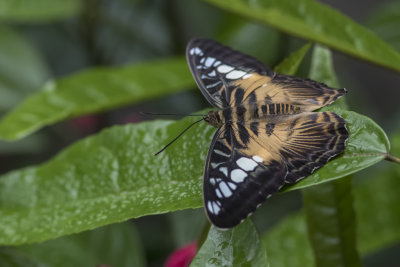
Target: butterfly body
267, 134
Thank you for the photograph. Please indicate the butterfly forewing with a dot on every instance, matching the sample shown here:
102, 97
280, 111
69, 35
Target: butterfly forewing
215, 67
230, 78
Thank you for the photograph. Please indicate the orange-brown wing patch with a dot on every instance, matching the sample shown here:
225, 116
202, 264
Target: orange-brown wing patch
308, 95
303, 142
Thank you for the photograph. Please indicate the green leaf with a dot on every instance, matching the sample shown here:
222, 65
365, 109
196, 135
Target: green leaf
106, 178
12, 258
38, 10
331, 223
385, 22
93, 91
329, 206
290, 65
236, 32
113, 245
22, 69
103, 89
186, 225
240, 246
287, 243
322, 69
376, 201
317, 22
113, 176
377, 205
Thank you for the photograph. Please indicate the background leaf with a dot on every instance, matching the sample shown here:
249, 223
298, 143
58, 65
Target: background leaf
376, 214
112, 245
240, 246
106, 178
13, 258
385, 22
331, 223
317, 22
328, 207
22, 68
376, 203
289, 237
93, 91
38, 11
290, 65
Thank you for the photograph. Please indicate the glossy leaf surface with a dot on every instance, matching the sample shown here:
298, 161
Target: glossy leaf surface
112, 245
113, 176
95, 90
317, 22
331, 223
240, 246
329, 207
290, 65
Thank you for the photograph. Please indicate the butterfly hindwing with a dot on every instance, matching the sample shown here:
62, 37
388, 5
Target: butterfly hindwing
235, 184
311, 140
245, 167
303, 142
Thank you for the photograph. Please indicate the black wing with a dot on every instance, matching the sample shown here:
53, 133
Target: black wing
215, 67
229, 78
248, 162
235, 183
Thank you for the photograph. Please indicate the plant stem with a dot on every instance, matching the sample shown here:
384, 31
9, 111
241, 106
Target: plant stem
392, 158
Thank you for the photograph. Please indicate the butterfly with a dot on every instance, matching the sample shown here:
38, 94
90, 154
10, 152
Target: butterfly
267, 134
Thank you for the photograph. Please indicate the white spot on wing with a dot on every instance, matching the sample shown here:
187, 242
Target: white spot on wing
212, 74
212, 181
196, 51
225, 189
217, 63
224, 170
224, 68
235, 74
219, 195
238, 175
219, 152
215, 165
209, 61
210, 207
247, 76
246, 164
258, 158
216, 208
232, 185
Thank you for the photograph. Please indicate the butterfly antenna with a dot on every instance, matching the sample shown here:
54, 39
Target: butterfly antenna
187, 128
171, 114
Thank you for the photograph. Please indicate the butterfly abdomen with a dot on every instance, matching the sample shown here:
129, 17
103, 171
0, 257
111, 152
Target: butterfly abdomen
247, 113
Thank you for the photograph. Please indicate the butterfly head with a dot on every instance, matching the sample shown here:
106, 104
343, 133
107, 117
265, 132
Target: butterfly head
213, 118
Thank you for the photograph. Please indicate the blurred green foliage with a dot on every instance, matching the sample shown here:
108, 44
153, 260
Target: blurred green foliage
63, 59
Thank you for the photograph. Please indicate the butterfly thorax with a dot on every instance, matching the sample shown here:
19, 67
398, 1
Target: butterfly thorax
245, 113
